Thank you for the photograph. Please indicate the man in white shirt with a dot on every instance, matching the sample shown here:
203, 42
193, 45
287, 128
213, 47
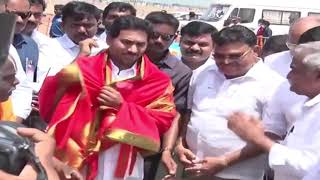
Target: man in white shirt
79, 22
37, 8
196, 44
283, 108
113, 11
300, 151
280, 62
238, 81
128, 95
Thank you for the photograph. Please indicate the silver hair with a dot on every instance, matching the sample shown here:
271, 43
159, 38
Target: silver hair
310, 54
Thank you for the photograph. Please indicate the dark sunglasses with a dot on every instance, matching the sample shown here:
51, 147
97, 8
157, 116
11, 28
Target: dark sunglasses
23, 15
166, 37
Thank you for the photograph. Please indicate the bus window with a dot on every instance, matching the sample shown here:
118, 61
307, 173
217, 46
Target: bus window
313, 14
215, 12
280, 17
246, 15
234, 13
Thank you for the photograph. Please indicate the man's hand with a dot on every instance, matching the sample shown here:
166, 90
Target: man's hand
245, 126
44, 143
185, 155
249, 129
207, 166
169, 163
86, 46
109, 97
66, 172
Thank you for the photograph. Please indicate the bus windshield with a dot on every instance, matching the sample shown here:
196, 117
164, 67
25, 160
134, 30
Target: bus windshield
215, 12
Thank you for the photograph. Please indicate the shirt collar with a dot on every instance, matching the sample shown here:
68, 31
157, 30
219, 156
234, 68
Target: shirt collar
168, 60
18, 40
131, 71
312, 102
67, 43
256, 70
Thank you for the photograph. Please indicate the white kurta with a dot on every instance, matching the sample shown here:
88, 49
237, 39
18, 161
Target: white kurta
109, 158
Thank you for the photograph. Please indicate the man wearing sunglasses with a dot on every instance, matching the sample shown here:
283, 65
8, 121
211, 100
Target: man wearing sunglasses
37, 8
238, 81
164, 33
28, 53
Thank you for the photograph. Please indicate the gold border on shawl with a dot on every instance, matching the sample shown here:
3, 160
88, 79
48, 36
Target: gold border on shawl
137, 140
163, 103
74, 104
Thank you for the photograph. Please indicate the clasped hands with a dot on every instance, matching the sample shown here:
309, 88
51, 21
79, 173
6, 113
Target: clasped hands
200, 167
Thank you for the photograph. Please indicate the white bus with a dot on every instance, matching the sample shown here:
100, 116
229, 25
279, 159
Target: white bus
280, 13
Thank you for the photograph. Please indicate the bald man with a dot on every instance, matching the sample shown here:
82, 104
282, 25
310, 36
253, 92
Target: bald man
280, 62
299, 152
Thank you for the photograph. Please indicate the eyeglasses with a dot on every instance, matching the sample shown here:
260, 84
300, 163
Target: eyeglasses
166, 37
231, 57
23, 15
291, 45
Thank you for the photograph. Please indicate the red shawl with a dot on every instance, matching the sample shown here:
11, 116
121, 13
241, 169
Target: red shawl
69, 102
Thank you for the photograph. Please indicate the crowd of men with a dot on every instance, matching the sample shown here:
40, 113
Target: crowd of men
118, 103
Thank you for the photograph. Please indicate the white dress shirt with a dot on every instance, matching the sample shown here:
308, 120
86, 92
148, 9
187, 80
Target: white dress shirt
301, 148
282, 111
103, 36
216, 97
109, 158
22, 95
279, 62
45, 58
314, 173
194, 79
64, 51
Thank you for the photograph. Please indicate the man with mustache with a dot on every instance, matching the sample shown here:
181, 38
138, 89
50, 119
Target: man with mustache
197, 44
164, 33
237, 81
107, 111
80, 24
